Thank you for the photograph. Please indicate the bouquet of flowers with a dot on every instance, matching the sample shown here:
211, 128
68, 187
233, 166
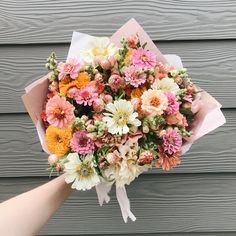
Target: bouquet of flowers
116, 108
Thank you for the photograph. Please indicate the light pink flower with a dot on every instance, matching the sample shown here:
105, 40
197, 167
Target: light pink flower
143, 58
59, 112
172, 141
81, 143
173, 105
70, 68
116, 82
98, 105
86, 96
135, 76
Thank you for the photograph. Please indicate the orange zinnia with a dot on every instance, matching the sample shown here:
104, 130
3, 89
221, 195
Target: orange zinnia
58, 140
137, 92
81, 81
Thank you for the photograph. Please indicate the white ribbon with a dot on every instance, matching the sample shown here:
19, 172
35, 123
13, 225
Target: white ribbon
103, 189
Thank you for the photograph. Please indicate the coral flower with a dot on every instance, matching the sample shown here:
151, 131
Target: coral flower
86, 96
81, 143
58, 140
60, 113
70, 68
143, 58
167, 162
154, 102
172, 141
137, 92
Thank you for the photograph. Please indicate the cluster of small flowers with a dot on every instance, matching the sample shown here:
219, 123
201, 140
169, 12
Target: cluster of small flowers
113, 113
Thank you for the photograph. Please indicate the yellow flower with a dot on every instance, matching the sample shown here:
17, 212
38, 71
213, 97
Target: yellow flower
127, 55
81, 81
58, 140
137, 92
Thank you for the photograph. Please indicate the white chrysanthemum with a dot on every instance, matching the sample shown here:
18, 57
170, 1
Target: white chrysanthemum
127, 169
121, 115
100, 47
80, 170
166, 84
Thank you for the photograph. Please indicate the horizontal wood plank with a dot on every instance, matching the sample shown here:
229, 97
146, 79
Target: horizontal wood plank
45, 21
161, 203
212, 65
20, 153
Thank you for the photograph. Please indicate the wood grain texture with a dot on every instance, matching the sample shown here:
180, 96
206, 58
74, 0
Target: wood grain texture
170, 203
20, 153
46, 21
212, 65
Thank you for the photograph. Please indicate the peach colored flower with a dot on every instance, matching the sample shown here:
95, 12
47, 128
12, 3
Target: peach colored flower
154, 102
59, 112
167, 162
176, 119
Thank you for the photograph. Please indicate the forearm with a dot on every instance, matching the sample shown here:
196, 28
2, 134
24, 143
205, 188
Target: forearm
27, 213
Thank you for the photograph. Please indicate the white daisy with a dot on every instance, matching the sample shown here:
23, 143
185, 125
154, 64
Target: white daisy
121, 115
80, 170
99, 47
166, 84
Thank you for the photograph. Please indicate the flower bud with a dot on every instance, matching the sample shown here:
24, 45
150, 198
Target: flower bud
52, 159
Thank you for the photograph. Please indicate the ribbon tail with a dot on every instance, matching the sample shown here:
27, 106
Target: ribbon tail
124, 203
102, 190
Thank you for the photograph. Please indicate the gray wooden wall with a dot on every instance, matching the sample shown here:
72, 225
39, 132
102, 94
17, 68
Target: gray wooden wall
198, 197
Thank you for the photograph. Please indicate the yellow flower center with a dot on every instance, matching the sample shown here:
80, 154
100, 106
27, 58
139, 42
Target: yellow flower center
155, 101
84, 170
59, 113
121, 117
100, 51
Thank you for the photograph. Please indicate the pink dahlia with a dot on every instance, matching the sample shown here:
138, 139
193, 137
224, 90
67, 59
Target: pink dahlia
59, 112
81, 143
135, 76
143, 58
172, 141
173, 105
86, 96
70, 68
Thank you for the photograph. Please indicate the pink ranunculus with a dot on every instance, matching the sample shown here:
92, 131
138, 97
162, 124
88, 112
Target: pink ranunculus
135, 76
173, 105
81, 143
86, 96
172, 141
116, 82
143, 58
59, 112
70, 68
98, 105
